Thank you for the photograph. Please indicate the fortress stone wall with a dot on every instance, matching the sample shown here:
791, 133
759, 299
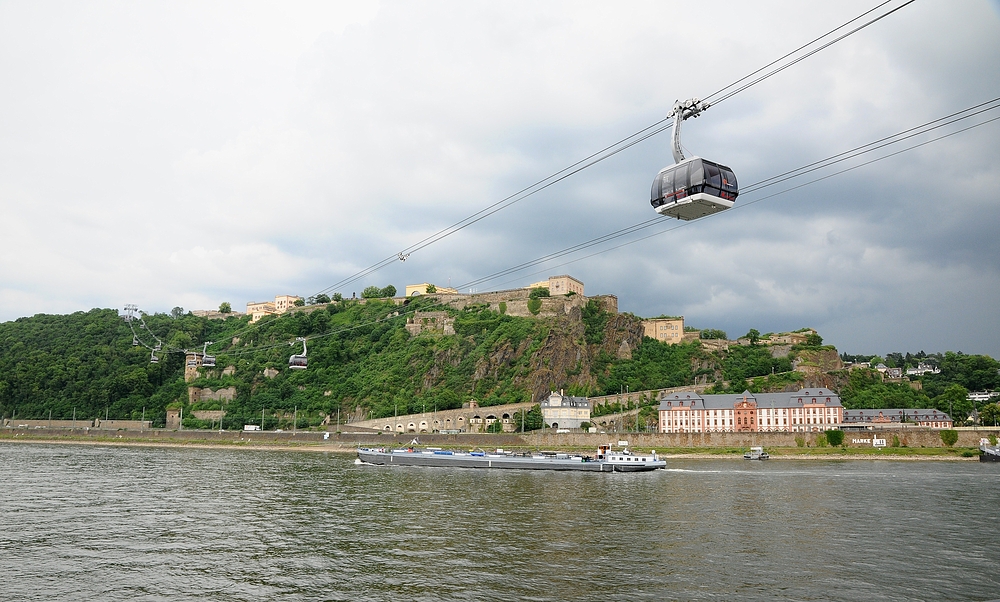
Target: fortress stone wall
473, 419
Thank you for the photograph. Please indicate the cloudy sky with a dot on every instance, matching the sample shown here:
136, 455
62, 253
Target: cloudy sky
188, 153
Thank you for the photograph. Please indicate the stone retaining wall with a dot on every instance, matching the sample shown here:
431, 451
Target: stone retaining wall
537, 439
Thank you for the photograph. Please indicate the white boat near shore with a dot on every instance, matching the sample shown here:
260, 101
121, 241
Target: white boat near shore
756, 453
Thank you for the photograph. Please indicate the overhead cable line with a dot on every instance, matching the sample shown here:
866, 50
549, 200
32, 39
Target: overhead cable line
832, 160
609, 151
875, 145
612, 149
811, 52
806, 45
522, 194
681, 225
388, 318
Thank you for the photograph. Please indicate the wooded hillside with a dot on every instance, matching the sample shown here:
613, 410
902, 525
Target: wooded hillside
364, 362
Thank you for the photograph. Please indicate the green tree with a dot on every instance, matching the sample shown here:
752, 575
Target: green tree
532, 419
225, 308
955, 401
389, 291
534, 305
371, 292
431, 289
495, 427
595, 319
177, 312
538, 292
712, 333
753, 336
990, 415
299, 303
814, 340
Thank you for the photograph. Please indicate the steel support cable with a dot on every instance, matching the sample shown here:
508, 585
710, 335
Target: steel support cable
755, 201
923, 129
806, 45
852, 168
556, 254
756, 187
135, 337
604, 153
811, 52
388, 318
633, 228
759, 184
510, 200
553, 182
496, 207
505, 202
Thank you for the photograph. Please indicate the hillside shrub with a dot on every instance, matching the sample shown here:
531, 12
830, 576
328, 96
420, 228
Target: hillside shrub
835, 438
594, 320
712, 333
799, 441
534, 306
949, 437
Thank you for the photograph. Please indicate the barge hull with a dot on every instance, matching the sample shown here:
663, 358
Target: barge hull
508, 462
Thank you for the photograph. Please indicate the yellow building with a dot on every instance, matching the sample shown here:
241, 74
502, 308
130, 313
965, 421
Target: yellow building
421, 289
281, 304
560, 285
668, 330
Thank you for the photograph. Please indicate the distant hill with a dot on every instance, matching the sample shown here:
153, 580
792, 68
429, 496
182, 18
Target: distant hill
378, 358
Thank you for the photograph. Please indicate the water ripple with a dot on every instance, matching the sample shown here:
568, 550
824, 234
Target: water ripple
111, 523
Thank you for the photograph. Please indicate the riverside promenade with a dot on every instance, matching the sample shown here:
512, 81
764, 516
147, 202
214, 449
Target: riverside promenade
909, 441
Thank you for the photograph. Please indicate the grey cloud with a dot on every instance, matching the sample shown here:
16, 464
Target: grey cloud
190, 154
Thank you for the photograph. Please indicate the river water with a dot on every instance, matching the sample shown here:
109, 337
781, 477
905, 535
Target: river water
120, 523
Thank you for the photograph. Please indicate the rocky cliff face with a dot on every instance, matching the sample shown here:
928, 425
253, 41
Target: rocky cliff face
563, 359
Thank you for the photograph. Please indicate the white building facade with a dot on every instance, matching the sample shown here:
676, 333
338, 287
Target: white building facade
807, 410
565, 412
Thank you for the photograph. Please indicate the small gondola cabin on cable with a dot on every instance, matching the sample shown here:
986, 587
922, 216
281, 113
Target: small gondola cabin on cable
299, 361
693, 188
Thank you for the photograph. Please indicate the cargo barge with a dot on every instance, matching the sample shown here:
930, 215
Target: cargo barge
605, 460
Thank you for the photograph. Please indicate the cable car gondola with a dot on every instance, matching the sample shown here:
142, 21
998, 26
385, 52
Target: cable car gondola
692, 187
207, 361
299, 362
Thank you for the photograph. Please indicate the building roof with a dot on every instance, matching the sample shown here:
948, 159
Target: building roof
557, 400
764, 400
895, 414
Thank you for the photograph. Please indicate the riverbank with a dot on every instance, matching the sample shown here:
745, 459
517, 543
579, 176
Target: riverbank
336, 443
